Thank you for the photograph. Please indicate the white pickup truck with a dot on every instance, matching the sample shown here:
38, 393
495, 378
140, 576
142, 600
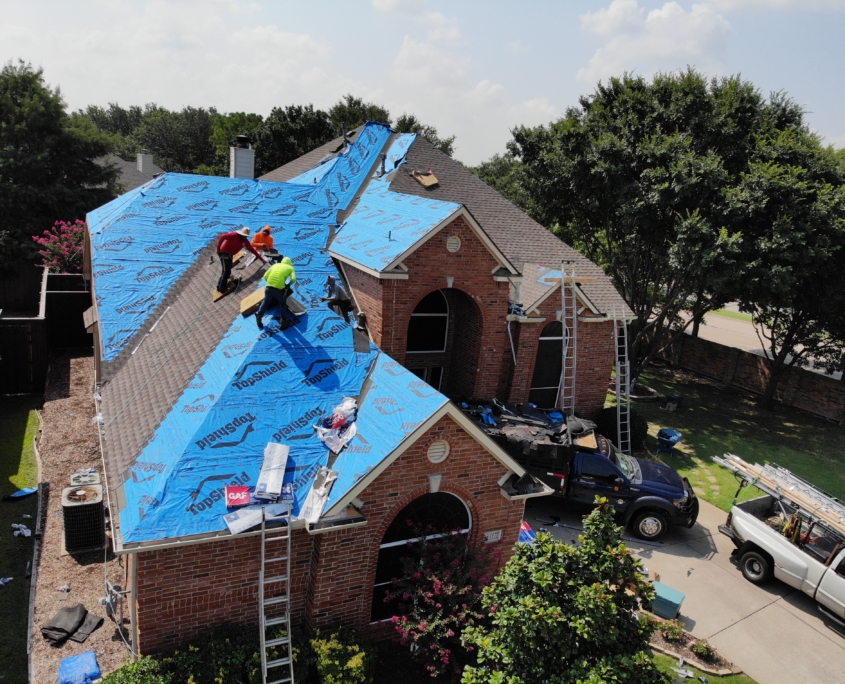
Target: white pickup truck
794, 532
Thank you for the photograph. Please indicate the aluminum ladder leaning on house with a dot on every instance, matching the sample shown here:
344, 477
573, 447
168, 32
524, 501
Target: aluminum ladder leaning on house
623, 383
275, 554
569, 320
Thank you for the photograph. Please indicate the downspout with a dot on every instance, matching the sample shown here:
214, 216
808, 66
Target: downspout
513, 351
133, 606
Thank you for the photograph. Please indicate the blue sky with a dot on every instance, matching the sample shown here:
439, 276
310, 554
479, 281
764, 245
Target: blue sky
472, 69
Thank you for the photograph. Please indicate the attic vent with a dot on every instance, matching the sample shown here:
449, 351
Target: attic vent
453, 244
438, 451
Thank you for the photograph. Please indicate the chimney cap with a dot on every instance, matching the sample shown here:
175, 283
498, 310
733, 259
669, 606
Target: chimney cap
145, 151
242, 141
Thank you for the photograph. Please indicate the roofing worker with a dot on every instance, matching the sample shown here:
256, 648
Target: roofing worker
228, 245
280, 279
336, 298
263, 240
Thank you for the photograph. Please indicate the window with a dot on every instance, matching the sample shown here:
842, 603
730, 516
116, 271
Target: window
429, 324
443, 511
599, 468
432, 375
549, 365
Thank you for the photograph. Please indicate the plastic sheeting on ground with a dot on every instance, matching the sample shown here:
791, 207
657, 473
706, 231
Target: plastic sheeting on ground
395, 405
145, 240
387, 224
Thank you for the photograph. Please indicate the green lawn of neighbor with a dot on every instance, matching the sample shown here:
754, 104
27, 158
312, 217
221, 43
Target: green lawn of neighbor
18, 469
715, 420
733, 314
665, 664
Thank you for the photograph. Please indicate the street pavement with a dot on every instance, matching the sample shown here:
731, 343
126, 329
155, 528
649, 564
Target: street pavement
774, 633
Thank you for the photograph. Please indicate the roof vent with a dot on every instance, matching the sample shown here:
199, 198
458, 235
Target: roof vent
438, 451
453, 244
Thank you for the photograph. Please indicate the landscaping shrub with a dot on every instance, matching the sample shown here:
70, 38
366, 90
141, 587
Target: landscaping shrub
342, 656
702, 649
606, 425
439, 594
61, 246
673, 630
145, 670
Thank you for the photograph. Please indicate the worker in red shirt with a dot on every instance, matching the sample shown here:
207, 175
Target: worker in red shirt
228, 245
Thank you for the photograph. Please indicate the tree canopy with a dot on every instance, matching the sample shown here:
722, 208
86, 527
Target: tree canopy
639, 177
289, 133
408, 123
48, 170
563, 614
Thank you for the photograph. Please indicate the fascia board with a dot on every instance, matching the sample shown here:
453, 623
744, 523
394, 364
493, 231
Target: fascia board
381, 275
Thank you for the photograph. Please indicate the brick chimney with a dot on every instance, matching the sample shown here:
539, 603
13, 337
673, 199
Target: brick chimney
241, 159
144, 163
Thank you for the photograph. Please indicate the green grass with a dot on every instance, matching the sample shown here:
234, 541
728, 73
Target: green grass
665, 664
733, 314
714, 420
18, 469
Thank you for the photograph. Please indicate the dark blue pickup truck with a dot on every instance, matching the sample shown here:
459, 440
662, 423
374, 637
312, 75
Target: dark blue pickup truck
579, 464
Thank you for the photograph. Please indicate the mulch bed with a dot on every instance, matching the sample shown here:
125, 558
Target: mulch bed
682, 648
69, 441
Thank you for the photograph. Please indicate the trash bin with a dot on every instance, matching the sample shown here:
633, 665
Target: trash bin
667, 601
667, 439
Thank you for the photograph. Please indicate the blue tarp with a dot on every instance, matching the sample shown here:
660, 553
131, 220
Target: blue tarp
79, 669
386, 224
255, 387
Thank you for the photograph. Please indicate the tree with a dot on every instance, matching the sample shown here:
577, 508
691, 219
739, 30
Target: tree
504, 173
61, 247
120, 123
637, 177
289, 133
353, 112
563, 614
47, 161
408, 123
792, 200
179, 141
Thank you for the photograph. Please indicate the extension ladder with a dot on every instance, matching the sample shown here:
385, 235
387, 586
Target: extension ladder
275, 554
569, 319
623, 384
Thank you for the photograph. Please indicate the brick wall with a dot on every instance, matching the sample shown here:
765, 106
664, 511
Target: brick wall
346, 570
389, 304
596, 357
803, 389
181, 591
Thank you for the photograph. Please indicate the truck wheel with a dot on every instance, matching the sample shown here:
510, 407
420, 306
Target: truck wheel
756, 568
649, 525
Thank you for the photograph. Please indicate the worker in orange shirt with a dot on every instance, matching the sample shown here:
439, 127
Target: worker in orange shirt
263, 240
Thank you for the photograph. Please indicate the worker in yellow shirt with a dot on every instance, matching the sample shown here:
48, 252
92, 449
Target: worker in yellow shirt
280, 279
263, 240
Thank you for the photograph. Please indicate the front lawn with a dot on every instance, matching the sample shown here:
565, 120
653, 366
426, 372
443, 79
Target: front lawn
665, 664
715, 420
18, 469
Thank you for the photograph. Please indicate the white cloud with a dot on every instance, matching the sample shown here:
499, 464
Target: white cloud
443, 29
664, 39
730, 5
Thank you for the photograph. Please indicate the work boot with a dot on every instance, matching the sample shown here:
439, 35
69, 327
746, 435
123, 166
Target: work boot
258, 322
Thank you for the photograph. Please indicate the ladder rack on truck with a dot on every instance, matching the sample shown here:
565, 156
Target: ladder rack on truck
782, 484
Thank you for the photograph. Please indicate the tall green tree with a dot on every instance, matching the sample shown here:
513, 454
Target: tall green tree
792, 202
225, 129
48, 170
563, 614
409, 123
121, 124
505, 174
353, 112
179, 141
638, 176
288, 133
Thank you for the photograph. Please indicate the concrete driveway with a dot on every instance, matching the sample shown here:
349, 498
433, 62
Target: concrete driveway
774, 633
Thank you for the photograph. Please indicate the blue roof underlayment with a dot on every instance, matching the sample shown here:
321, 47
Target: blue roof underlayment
386, 224
255, 387
145, 240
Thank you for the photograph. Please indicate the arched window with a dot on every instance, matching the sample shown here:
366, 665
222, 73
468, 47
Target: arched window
441, 510
429, 324
549, 365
